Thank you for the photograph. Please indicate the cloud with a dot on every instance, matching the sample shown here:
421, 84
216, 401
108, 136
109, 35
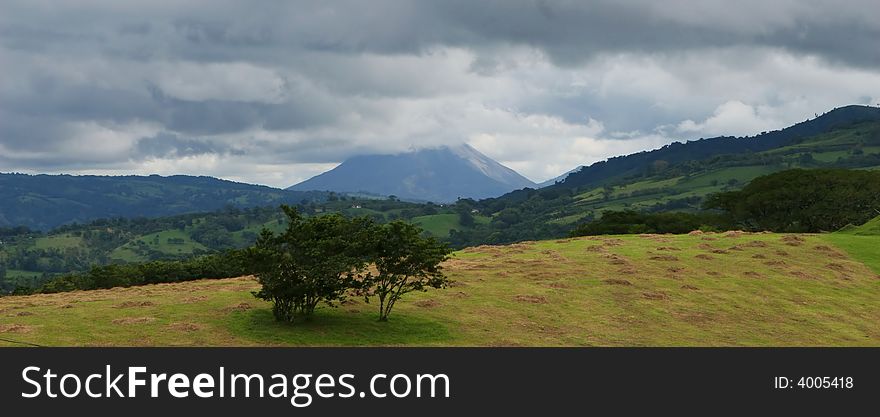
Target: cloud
733, 118
277, 92
240, 82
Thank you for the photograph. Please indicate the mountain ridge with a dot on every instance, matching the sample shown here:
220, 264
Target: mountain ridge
678, 152
44, 201
439, 174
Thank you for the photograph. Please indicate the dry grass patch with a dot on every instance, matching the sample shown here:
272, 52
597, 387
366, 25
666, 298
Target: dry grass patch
669, 258
534, 299
427, 304
655, 295
133, 304
185, 327
134, 320
238, 307
15, 328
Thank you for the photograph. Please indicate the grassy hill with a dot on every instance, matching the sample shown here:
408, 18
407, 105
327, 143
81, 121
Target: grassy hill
656, 290
862, 242
871, 228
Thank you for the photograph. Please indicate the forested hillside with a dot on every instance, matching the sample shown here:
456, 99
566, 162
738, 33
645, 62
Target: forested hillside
46, 201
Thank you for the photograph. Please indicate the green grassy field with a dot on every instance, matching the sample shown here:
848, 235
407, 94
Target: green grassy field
63, 241
160, 242
733, 289
861, 242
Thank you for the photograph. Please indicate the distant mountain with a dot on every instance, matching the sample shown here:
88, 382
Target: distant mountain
560, 178
433, 174
46, 201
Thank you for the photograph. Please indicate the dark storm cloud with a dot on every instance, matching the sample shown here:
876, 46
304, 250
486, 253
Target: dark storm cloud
573, 31
567, 30
166, 144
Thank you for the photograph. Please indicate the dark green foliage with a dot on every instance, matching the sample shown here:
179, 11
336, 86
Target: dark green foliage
406, 262
109, 276
631, 222
803, 200
314, 260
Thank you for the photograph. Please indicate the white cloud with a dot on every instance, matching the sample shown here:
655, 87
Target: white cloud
733, 118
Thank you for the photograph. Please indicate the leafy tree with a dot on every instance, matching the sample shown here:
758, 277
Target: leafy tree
406, 262
315, 260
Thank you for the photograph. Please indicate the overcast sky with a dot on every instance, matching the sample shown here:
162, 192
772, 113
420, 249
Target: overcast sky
273, 92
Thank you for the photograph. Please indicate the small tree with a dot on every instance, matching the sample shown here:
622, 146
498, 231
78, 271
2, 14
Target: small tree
405, 262
314, 260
